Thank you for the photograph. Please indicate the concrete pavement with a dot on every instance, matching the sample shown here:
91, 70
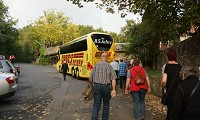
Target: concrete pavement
42, 94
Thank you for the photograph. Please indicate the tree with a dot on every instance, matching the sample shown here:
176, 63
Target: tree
180, 14
8, 33
54, 28
85, 29
143, 42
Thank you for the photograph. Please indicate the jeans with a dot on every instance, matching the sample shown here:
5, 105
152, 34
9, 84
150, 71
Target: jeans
116, 72
101, 92
139, 101
122, 81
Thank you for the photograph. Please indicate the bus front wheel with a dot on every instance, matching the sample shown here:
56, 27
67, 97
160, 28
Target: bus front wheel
73, 73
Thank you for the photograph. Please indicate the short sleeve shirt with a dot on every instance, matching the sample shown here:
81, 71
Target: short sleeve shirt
103, 73
123, 69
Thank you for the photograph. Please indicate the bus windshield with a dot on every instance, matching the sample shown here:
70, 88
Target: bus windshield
102, 42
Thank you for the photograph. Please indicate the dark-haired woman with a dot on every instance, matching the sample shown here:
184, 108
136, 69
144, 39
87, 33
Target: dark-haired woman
171, 79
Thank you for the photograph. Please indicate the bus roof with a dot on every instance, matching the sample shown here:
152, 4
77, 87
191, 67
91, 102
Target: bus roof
81, 38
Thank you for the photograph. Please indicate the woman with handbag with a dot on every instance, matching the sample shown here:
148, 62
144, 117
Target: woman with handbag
170, 80
139, 84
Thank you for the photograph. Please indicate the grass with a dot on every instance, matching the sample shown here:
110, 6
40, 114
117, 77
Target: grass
154, 73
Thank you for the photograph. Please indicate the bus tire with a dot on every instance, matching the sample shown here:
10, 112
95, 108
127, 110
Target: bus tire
73, 73
77, 75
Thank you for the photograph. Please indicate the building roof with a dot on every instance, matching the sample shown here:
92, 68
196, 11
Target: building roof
119, 47
51, 50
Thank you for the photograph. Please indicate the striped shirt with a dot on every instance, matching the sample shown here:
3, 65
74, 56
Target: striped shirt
102, 73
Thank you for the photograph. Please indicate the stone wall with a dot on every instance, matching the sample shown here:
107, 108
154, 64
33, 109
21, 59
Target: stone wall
188, 54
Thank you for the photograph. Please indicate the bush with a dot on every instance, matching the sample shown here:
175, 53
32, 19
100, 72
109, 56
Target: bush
44, 60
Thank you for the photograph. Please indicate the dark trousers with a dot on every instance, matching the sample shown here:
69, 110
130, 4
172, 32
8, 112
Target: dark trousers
169, 108
101, 92
122, 80
64, 74
116, 72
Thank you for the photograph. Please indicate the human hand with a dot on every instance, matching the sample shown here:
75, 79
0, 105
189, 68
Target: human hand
113, 93
126, 91
149, 89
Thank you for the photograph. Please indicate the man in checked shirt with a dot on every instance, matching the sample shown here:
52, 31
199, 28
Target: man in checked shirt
103, 76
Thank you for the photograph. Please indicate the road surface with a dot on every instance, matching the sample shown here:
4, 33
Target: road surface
43, 95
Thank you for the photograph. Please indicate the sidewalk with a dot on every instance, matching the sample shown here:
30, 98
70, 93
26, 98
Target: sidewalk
69, 104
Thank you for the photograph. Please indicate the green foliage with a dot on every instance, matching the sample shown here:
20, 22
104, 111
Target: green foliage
143, 41
51, 29
85, 29
8, 32
181, 14
54, 29
44, 60
154, 73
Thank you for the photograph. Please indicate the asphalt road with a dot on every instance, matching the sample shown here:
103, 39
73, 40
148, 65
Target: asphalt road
42, 94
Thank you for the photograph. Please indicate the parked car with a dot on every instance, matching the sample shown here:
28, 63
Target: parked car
6, 66
8, 85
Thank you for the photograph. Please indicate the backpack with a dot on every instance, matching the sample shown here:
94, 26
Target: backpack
139, 80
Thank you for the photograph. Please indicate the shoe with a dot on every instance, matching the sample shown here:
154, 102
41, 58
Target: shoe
142, 118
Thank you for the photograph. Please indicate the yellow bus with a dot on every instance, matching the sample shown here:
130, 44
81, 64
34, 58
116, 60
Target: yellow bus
83, 53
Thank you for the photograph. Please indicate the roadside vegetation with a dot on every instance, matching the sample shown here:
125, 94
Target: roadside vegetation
162, 21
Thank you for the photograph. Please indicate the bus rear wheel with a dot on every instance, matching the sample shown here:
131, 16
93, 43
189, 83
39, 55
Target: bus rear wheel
77, 75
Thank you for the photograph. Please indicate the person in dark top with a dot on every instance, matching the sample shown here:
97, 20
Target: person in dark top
187, 105
64, 69
171, 79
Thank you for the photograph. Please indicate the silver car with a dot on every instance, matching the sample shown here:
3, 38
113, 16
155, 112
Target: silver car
6, 66
8, 85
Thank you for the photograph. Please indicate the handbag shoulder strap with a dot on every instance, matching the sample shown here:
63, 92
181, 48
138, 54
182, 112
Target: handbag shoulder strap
194, 90
191, 94
174, 78
138, 71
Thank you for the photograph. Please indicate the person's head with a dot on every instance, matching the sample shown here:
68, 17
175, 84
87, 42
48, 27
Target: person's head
104, 57
64, 62
136, 62
171, 55
188, 71
121, 60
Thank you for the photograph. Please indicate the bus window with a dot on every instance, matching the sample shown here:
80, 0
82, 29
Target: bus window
75, 47
102, 42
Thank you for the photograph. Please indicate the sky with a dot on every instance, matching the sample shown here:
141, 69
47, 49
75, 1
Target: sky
26, 11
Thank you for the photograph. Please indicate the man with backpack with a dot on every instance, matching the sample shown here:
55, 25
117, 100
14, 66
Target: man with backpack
187, 97
139, 83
